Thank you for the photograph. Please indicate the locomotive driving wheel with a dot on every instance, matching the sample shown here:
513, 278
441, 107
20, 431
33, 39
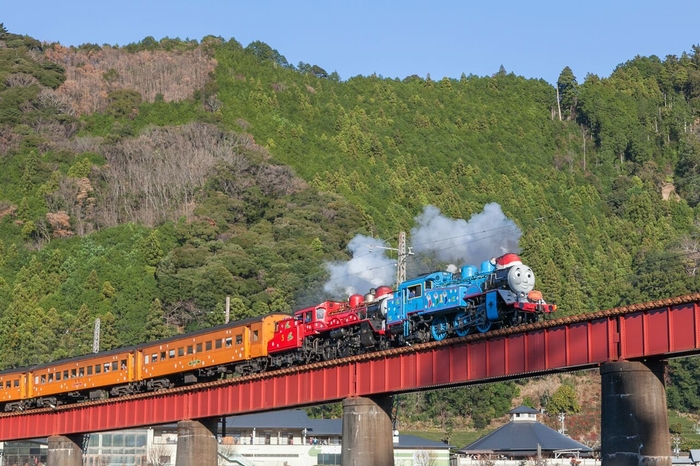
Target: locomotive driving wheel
439, 328
461, 324
483, 324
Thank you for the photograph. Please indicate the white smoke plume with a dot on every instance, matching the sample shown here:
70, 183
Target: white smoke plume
487, 234
368, 268
456, 241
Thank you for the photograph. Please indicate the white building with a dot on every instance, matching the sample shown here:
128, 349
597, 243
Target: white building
279, 438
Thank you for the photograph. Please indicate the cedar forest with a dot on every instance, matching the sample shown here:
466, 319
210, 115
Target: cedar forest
143, 184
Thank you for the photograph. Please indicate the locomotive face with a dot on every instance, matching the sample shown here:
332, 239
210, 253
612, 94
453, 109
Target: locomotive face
521, 279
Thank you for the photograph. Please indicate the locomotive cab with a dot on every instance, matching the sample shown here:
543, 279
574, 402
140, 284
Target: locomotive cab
420, 294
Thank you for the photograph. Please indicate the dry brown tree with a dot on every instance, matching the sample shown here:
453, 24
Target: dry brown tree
92, 74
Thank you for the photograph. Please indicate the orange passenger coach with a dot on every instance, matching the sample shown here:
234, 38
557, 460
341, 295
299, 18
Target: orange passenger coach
239, 347
98, 375
13, 386
235, 348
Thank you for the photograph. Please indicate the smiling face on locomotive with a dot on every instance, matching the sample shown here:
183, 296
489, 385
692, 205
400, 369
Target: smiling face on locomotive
521, 279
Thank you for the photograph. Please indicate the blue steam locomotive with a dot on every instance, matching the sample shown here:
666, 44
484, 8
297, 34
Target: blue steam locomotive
500, 293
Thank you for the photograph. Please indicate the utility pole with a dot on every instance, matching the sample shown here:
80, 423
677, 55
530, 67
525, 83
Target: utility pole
402, 256
96, 337
562, 418
403, 252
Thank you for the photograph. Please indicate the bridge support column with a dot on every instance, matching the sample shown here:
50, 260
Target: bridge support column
65, 451
196, 443
367, 432
634, 421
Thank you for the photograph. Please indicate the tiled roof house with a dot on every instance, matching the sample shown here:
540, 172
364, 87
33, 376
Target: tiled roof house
524, 437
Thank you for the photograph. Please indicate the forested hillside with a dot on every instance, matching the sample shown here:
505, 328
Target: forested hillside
144, 184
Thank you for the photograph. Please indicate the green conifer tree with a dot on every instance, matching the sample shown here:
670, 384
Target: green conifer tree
156, 328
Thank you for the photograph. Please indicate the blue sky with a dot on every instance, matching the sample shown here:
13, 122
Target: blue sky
535, 39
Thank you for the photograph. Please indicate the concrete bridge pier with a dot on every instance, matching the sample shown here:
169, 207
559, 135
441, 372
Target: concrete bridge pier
65, 450
196, 443
634, 421
367, 432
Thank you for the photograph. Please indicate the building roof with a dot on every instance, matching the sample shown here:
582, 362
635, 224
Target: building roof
694, 456
522, 438
413, 442
286, 419
326, 427
522, 409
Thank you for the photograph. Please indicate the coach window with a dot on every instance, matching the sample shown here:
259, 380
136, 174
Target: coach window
146, 358
207, 346
50, 377
171, 354
115, 366
162, 355
43, 378
320, 312
229, 342
154, 358
190, 349
65, 375
219, 344
199, 347
239, 339
58, 376
255, 335
89, 370
98, 368
8, 384
181, 351
81, 372
17, 382
106, 366
73, 373
123, 364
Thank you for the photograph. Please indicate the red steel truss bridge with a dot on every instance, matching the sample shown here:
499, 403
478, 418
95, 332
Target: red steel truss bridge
660, 329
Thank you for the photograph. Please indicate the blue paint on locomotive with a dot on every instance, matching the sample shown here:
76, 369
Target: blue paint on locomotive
440, 292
